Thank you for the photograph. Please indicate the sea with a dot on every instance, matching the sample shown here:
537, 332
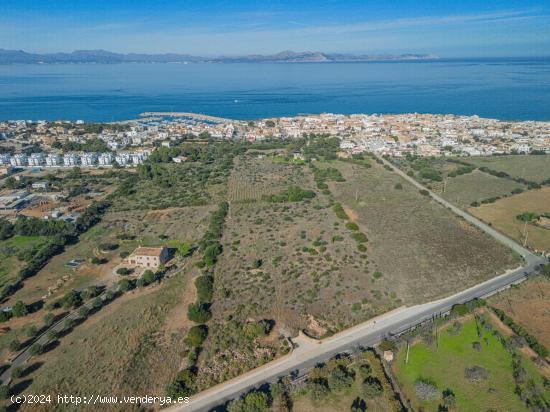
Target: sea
507, 89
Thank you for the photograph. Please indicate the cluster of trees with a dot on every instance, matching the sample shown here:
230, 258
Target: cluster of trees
210, 242
533, 343
291, 194
321, 176
531, 216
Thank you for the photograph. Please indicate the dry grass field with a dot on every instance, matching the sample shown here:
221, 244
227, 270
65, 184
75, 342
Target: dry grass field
423, 250
133, 346
502, 216
472, 187
532, 168
529, 305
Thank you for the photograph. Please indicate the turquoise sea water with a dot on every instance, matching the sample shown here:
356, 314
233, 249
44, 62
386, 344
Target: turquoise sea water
504, 89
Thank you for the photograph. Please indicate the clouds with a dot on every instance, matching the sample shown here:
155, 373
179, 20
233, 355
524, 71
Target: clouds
252, 27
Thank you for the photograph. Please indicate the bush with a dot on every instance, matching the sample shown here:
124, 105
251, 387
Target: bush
253, 402
197, 335
123, 271
148, 277
4, 391
205, 288
398, 186
19, 309
36, 349
424, 192
340, 212
16, 372
372, 388
125, 285
340, 379
15, 345
426, 390
198, 313
352, 226
359, 237
72, 299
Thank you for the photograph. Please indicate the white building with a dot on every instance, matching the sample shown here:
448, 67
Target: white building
53, 160
19, 160
5, 159
70, 160
105, 159
122, 159
88, 159
36, 159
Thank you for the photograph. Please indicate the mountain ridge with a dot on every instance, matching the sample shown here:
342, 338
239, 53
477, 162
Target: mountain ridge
106, 57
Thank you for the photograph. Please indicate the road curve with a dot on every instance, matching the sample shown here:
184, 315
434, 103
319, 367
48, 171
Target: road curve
305, 357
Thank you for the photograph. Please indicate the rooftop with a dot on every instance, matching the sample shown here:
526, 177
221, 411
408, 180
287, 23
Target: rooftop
148, 251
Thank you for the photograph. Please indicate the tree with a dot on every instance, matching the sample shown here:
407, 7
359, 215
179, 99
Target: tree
15, 345
198, 312
124, 285
30, 330
183, 249
83, 311
97, 303
16, 372
205, 288
19, 309
253, 402
36, 349
339, 379
372, 388
4, 391
49, 318
317, 390
148, 277
197, 335
71, 299
123, 271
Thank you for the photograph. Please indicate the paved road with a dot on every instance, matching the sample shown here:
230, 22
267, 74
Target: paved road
307, 356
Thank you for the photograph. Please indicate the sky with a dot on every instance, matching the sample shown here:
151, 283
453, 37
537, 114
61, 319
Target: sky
447, 28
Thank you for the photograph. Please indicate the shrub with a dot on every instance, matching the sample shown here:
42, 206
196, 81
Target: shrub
205, 288
36, 349
340, 212
198, 312
359, 237
4, 391
125, 285
197, 335
372, 388
426, 390
19, 309
352, 226
424, 192
398, 186
340, 379
15, 345
148, 277
123, 271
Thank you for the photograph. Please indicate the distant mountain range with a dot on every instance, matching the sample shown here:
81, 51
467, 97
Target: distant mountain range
106, 57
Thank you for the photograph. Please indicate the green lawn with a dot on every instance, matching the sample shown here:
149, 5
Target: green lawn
446, 364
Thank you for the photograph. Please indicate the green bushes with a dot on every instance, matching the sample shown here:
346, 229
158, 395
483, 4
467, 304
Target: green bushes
196, 335
359, 237
340, 212
198, 312
291, 194
352, 226
205, 288
533, 343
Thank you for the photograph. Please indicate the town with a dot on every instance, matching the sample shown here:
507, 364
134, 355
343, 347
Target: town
27, 144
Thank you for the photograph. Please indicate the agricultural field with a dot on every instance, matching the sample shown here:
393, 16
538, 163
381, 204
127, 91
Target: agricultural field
476, 186
252, 177
529, 305
529, 167
468, 365
503, 216
422, 250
